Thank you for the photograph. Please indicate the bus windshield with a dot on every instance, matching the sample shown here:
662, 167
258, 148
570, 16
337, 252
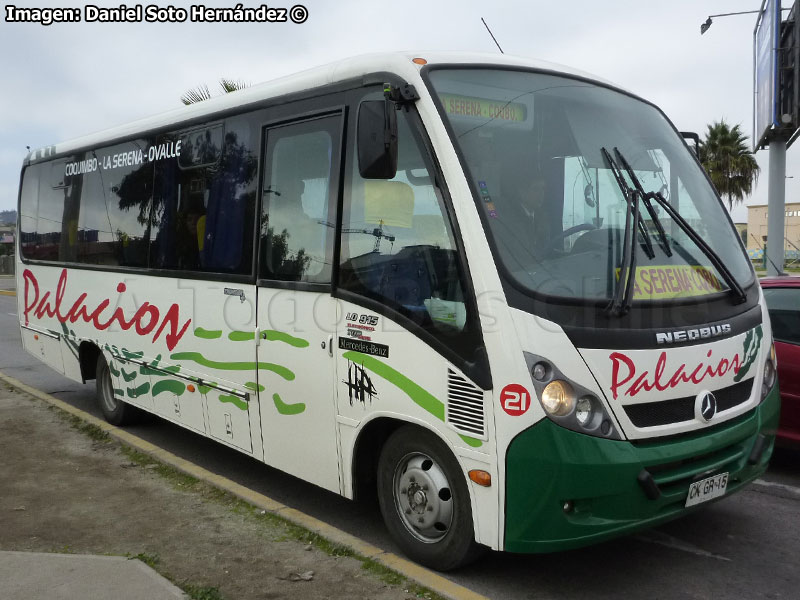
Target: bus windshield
537, 147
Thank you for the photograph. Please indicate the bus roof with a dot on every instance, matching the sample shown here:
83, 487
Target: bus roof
398, 63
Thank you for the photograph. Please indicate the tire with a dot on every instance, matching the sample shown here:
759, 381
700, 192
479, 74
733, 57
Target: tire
434, 530
115, 411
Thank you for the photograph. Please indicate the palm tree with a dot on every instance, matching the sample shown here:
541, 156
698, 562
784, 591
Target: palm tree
726, 157
201, 92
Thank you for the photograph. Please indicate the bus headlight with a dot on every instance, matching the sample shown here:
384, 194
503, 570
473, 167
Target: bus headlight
558, 398
770, 373
567, 403
584, 410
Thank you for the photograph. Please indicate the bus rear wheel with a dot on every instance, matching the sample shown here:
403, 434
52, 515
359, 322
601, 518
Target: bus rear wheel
424, 500
115, 411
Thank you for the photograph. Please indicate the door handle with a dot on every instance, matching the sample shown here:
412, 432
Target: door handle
330, 346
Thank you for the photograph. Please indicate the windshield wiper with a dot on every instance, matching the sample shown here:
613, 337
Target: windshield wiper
628, 194
733, 284
646, 201
621, 302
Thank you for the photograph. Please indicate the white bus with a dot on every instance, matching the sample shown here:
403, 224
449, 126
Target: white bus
500, 293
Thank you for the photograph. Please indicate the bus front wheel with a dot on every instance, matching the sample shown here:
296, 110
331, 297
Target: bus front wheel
424, 500
115, 411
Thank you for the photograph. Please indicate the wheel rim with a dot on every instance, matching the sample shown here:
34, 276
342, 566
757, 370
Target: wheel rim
423, 497
107, 391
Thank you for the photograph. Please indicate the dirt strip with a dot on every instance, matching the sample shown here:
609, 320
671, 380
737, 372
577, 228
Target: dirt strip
72, 489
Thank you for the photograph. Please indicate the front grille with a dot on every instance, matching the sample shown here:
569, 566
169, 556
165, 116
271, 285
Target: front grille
673, 477
679, 410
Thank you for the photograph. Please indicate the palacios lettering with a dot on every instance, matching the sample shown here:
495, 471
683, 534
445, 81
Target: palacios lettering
146, 318
623, 370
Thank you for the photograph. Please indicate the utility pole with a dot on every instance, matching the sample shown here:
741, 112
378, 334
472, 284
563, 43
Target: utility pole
774, 123
776, 207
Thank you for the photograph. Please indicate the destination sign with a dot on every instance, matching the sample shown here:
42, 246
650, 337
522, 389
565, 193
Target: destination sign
483, 108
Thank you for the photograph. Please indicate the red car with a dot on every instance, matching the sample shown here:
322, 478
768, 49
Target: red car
783, 303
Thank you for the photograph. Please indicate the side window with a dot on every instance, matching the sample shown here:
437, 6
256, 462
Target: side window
29, 209
204, 197
57, 217
297, 226
114, 224
783, 305
397, 242
91, 208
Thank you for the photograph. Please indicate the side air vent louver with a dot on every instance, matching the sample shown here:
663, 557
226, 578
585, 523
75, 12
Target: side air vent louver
464, 405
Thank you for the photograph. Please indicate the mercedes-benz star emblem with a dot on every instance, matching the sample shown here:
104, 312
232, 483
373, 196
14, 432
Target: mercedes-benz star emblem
708, 406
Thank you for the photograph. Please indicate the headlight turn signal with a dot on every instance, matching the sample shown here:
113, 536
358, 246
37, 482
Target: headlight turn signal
770, 373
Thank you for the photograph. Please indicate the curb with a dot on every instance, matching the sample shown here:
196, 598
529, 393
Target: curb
412, 571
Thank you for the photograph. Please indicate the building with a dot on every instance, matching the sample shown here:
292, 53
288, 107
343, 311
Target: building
741, 228
7, 238
757, 231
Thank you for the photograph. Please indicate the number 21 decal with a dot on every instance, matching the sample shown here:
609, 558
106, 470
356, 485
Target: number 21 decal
515, 399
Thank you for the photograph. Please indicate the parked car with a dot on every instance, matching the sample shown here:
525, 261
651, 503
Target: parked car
783, 303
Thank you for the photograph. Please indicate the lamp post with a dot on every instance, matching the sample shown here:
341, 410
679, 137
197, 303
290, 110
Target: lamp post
704, 26
774, 257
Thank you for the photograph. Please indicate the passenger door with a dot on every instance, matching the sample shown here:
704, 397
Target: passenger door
296, 312
407, 326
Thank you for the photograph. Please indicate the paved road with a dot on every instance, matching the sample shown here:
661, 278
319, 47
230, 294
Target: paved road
746, 546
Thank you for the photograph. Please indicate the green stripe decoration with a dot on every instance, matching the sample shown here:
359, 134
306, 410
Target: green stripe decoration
252, 385
287, 409
207, 334
127, 354
146, 370
279, 336
205, 388
236, 401
128, 376
470, 441
119, 392
112, 368
136, 392
168, 385
241, 336
418, 394
233, 366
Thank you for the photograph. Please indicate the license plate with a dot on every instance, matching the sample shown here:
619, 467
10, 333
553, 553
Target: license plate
707, 489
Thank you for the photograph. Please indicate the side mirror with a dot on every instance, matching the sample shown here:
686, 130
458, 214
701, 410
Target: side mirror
691, 135
377, 139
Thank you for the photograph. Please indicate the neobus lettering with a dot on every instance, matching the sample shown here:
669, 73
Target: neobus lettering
144, 319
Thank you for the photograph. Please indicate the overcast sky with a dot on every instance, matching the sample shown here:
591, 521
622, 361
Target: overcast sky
67, 80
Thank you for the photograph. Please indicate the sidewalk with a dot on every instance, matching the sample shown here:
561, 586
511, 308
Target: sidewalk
38, 576
67, 494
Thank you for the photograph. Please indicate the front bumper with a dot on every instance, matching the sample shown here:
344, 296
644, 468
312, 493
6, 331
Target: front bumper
549, 466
